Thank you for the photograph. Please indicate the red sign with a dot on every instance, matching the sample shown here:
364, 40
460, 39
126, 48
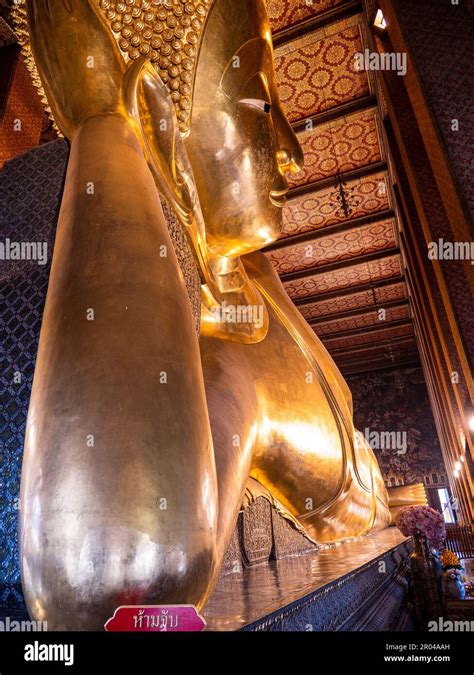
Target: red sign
155, 618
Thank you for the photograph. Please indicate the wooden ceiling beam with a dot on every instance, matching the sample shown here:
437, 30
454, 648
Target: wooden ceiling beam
360, 311
341, 264
378, 364
317, 22
341, 351
378, 358
409, 363
386, 325
338, 112
347, 225
349, 290
331, 181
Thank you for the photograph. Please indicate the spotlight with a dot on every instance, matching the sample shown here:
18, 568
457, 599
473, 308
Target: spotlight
456, 473
458, 466
379, 21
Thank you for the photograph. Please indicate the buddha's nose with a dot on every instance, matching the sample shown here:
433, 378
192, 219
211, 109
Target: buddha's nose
286, 162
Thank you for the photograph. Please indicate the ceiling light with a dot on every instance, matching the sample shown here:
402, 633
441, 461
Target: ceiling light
456, 473
458, 466
379, 21
471, 423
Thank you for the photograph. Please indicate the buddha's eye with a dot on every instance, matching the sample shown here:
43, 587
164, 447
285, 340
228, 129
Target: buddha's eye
264, 106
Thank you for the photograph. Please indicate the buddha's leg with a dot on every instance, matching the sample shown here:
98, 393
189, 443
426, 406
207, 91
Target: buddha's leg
119, 494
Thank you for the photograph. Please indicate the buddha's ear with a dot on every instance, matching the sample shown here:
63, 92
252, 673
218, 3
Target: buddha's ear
152, 112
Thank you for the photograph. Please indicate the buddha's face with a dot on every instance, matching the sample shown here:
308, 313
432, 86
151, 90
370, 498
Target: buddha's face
240, 144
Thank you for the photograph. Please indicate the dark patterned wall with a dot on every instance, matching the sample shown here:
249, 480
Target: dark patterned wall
397, 401
24, 216
439, 34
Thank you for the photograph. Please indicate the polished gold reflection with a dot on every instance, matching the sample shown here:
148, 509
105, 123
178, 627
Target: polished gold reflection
132, 483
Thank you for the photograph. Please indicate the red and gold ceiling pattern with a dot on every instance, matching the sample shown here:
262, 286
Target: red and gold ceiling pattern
361, 300
337, 280
286, 13
337, 247
343, 303
339, 146
381, 357
20, 126
364, 320
367, 338
320, 209
379, 351
390, 293
317, 72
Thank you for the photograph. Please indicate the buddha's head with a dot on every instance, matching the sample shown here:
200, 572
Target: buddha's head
239, 142
216, 60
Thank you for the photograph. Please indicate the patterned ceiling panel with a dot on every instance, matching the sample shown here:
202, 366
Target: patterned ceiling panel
317, 71
365, 320
397, 350
390, 293
315, 210
336, 247
285, 13
368, 338
342, 145
24, 104
344, 303
364, 273
381, 362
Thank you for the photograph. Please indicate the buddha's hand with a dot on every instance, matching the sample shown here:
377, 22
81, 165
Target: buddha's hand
149, 105
79, 62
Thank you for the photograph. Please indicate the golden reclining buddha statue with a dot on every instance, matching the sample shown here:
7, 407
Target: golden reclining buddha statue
140, 436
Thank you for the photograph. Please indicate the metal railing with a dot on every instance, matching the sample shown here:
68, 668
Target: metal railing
460, 540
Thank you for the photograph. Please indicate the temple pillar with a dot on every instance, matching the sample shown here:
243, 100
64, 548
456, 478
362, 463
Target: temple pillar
425, 134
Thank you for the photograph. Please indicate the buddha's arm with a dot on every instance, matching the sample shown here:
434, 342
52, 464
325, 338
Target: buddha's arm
119, 495
355, 503
261, 270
